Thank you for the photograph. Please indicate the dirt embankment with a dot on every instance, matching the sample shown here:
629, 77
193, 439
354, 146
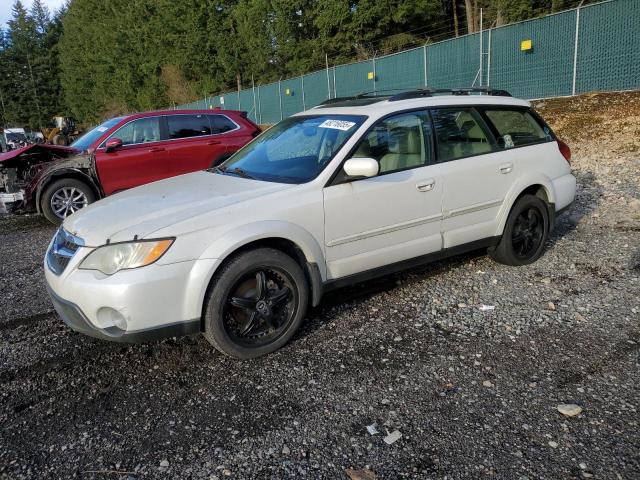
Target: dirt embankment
603, 130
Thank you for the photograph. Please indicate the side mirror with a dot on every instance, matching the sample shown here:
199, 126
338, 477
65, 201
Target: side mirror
361, 167
112, 144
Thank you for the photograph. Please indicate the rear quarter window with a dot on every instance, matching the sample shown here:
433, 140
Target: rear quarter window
517, 128
221, 124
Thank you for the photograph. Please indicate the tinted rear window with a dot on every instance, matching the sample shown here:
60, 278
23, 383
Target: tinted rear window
516, 128
184, 126
221, 124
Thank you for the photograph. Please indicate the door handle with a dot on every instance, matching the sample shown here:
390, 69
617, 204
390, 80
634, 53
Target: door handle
156, 149
213, 142
506, 167
425, 186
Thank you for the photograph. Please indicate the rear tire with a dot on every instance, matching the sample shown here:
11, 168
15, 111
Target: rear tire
525, 233
255, 303
64, 197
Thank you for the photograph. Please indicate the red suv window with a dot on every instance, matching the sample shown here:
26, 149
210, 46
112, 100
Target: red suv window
221, 124
184, 126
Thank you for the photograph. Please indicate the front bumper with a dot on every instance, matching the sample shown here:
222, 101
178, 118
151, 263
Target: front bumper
152, 302
76, 320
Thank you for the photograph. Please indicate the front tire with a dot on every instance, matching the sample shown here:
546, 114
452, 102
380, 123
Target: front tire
525, 233
255, 303
64, 197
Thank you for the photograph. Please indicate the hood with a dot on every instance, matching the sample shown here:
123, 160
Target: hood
35, 149
143, 210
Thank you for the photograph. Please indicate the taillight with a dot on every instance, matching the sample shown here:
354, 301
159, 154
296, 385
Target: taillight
565, 151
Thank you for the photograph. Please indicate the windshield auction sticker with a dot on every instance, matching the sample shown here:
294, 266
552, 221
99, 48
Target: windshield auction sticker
337, 124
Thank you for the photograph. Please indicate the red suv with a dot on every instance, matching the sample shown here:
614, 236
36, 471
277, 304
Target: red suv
121, 153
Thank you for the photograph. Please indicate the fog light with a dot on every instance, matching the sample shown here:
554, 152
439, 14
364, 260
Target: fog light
108, 318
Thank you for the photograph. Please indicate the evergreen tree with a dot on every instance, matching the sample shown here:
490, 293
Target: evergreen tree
29, 78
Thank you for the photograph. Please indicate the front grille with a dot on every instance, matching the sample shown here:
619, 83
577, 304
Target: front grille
62, 250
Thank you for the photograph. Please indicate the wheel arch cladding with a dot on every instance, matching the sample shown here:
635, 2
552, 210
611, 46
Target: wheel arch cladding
310, 269
539, 186
288, 238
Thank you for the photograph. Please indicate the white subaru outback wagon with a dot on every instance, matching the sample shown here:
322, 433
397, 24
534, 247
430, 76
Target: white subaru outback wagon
351, 189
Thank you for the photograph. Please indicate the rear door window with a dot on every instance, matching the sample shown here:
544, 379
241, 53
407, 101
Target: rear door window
398, 143
186, 126
459, 133
221, 124
516, 128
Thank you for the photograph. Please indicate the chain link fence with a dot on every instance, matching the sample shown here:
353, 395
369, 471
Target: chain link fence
589, 48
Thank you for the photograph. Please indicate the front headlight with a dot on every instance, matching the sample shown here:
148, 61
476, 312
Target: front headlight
110, 259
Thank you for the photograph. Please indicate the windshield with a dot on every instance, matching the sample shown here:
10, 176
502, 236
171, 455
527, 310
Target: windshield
85, 141
296, 150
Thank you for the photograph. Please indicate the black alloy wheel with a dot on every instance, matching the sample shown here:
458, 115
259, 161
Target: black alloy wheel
255, 303
260, 307
525, 232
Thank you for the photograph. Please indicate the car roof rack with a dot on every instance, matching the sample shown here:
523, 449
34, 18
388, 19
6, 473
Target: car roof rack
430, 92
367, 98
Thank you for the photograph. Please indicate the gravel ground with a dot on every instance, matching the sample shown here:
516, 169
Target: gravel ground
473, 393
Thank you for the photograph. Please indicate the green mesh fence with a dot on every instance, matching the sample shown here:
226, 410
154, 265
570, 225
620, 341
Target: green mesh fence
608, 47
453, 63
546, 69
401, 71
608, 58
318, 87
292, 98
248, 104
270, 104
354, 78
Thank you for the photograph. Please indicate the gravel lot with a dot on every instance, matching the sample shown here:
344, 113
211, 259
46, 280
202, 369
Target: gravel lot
473, 393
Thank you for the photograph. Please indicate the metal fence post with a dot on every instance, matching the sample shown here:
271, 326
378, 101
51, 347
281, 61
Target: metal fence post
335, 95
280, 97
304, 105
255, 108
259, 106
575, 51
374, 72
326, 59
489, 60
424, 48
481, 52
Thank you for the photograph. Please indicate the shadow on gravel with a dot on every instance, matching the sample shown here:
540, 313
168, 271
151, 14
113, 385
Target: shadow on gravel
366, 290
353, 296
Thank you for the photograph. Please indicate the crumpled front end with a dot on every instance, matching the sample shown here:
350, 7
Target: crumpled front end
20, 171
11, 195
